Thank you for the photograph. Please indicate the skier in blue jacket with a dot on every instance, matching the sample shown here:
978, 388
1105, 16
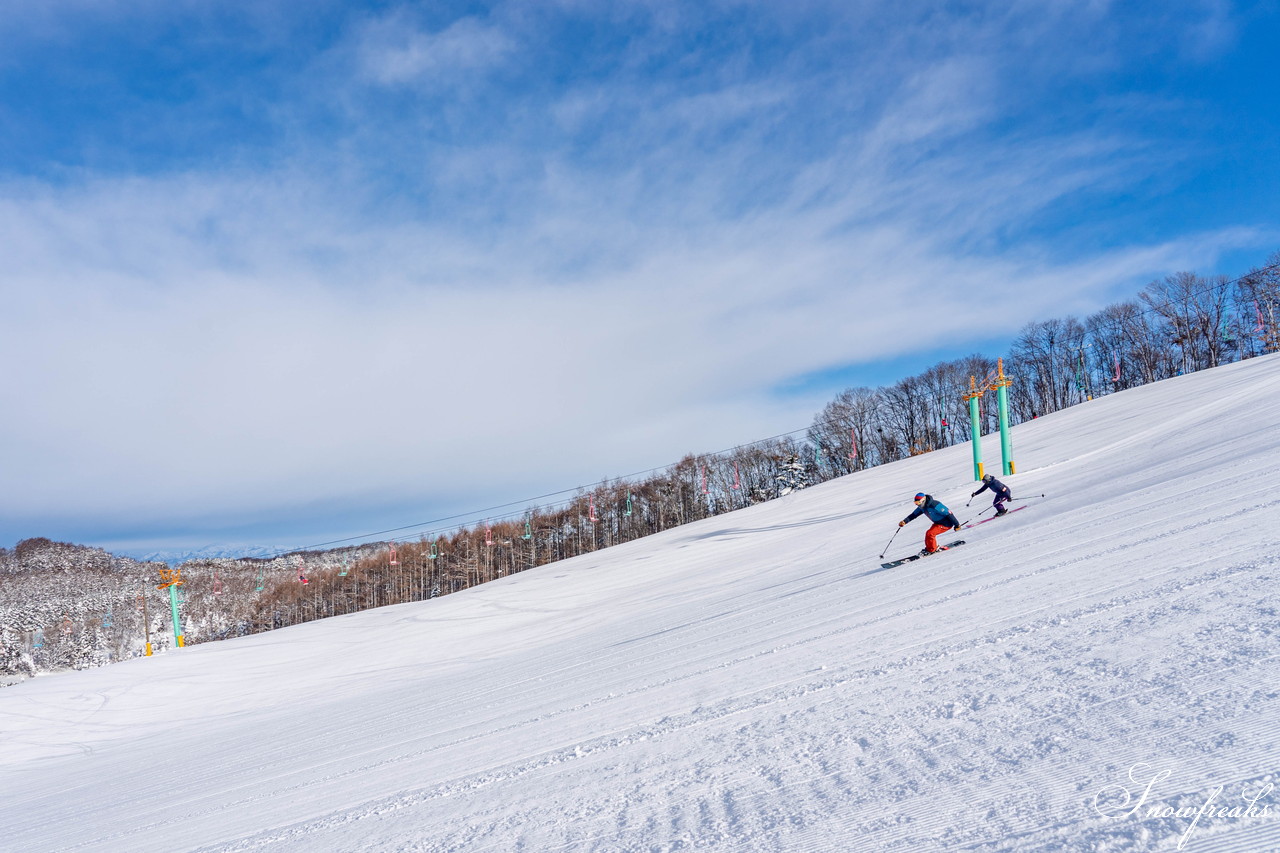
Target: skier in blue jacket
999, 489
940, 516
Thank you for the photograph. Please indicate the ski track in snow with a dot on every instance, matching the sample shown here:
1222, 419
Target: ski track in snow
750, 682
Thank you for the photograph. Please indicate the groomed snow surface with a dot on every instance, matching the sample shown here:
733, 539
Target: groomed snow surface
751, 682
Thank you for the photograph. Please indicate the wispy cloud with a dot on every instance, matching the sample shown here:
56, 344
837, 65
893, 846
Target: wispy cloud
395, 49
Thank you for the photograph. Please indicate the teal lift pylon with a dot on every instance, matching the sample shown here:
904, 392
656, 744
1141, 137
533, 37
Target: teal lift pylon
1000, 384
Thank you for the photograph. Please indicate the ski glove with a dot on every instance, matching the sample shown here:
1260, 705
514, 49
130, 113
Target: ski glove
902, 524
957, 527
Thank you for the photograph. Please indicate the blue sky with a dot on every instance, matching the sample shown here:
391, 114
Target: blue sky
280, 273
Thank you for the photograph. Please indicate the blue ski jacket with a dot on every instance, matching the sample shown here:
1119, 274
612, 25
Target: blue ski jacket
936, 510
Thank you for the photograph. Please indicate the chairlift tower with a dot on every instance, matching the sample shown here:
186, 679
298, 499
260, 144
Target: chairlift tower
975, 425
171, 580
1002, 401
1000, 384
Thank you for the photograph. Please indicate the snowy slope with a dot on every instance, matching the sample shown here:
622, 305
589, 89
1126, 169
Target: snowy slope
750, 682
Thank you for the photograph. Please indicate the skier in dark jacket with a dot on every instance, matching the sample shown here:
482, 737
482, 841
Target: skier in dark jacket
999, 489
940, 516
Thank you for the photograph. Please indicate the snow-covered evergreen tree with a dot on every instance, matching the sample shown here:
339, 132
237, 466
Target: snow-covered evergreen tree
792, 476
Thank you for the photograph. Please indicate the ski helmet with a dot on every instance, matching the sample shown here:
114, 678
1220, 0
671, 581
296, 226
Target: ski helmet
919, 497
987, 478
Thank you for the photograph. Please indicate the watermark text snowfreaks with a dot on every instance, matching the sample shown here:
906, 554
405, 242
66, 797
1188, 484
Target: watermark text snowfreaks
1119, 801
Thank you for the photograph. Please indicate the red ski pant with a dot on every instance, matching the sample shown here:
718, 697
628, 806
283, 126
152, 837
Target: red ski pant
931, 538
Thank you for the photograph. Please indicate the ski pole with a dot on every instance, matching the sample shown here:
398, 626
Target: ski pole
890, 542
978, 516
1019, 500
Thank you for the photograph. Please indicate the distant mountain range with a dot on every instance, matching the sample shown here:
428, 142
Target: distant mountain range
175, 557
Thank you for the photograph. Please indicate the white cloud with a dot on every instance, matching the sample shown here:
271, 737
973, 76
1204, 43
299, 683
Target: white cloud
394, 50
186, 349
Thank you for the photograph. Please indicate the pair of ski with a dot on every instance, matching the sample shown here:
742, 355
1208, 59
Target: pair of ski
993, 518
915, 557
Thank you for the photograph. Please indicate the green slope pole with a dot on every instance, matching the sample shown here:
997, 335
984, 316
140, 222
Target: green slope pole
1002, 400
173, 579
975, 427
177, 624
